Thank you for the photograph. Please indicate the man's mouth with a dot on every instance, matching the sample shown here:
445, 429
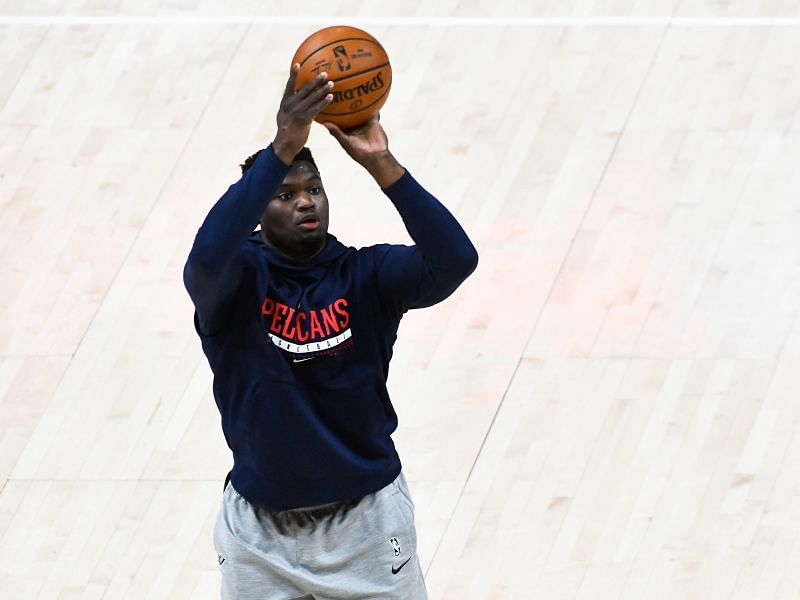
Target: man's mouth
309, 222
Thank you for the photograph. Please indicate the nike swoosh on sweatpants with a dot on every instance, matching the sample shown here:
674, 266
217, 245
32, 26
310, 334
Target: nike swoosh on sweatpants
397, 570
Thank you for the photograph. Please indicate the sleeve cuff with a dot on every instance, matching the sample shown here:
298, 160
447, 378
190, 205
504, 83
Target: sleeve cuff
402, 187
272, 159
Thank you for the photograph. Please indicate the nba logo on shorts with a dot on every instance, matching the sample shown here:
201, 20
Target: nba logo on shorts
395, 546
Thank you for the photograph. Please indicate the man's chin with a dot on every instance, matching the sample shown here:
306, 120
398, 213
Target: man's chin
320, 233
312, 242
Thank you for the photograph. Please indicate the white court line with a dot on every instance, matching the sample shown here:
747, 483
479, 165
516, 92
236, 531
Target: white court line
404, 21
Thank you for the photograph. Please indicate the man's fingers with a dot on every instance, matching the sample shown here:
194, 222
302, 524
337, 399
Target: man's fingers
298, 101
359, 129
312, 110
310, 85
292, 78
304, 104
334, 130
290, 92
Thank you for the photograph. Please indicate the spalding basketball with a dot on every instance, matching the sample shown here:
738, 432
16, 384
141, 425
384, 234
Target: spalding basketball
358, 66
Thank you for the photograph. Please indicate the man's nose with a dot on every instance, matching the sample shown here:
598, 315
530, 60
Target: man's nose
304, 201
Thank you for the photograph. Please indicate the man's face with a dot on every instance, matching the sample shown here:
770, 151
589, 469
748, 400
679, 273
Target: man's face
296, 219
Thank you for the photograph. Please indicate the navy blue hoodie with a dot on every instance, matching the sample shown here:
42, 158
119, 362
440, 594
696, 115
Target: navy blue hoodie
300, 351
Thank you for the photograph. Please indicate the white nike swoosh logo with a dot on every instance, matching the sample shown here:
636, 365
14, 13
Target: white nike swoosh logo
297, 360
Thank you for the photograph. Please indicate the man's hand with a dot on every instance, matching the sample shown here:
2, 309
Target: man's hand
368, 145
297, 111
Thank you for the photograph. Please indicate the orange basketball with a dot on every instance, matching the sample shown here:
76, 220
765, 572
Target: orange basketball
358, 65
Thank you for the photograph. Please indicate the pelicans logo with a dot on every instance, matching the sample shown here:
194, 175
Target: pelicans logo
307, 331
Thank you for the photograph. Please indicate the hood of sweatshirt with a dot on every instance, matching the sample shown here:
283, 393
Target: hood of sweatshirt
279, 262
312, 284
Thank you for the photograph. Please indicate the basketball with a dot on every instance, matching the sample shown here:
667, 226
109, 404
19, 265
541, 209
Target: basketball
356, 63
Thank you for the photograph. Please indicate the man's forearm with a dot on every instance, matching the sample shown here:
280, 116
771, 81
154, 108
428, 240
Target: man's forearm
385, 169
232, 219
435, 231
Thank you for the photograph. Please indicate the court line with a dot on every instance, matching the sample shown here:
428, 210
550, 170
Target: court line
556, 278
447, 21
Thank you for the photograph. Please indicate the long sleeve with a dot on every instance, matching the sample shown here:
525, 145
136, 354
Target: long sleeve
442, 257
214, 268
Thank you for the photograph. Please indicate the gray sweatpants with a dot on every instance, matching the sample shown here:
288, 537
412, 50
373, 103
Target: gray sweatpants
364, 548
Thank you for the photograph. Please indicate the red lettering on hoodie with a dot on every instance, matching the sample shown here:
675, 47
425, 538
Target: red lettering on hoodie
289, 331
316, 328
280, 310
314, 325
340, 306
329, 320
300, 334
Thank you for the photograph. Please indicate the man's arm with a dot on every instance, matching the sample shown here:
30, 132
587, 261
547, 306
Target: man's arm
442, 257
213, 270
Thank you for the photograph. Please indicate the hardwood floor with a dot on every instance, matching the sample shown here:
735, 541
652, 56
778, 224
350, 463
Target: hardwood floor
607, 408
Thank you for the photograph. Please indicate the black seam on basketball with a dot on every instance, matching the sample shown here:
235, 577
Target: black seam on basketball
302, 62
360, 108
376, 68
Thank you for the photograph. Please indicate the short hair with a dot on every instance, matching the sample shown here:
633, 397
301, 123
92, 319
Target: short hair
304, 154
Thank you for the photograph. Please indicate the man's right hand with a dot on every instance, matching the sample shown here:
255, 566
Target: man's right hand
297, 111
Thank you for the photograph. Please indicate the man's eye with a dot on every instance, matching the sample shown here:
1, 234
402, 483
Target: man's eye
314, 190
284, 196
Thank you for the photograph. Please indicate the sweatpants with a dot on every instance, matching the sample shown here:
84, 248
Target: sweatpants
356, 549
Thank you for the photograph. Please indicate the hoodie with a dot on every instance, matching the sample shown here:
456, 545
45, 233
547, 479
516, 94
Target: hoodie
300, 351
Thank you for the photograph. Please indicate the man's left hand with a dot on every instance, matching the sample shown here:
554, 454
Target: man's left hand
368, 145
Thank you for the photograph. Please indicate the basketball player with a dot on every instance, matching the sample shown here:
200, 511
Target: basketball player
298, 330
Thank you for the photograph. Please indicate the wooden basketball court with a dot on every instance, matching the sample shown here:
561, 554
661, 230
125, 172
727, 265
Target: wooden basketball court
607, 408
